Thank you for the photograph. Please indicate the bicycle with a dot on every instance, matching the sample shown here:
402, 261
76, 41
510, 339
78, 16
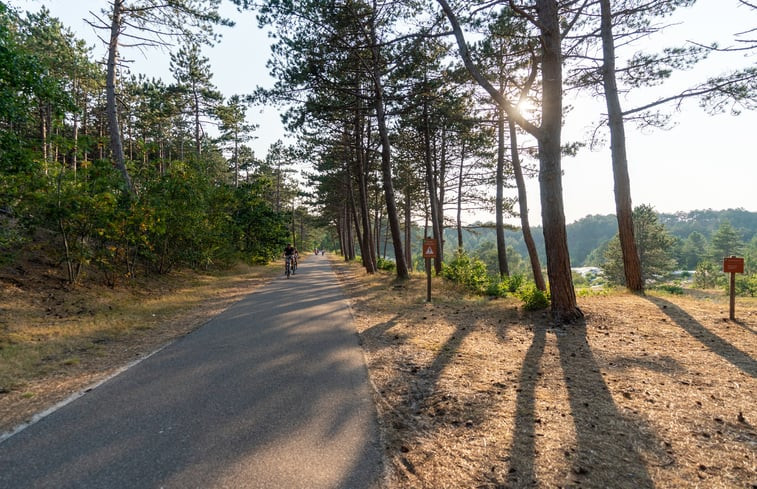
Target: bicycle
288, 266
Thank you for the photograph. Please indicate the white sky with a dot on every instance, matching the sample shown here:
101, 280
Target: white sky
703, 162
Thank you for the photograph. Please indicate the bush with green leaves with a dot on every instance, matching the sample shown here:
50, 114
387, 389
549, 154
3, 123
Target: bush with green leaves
384, 264
496, 288
533, 298
468, 272
502, 286
706, 275
746, 285
674, 288
515, 282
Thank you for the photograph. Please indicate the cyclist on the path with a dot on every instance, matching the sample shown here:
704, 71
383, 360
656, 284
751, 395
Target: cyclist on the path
289, 255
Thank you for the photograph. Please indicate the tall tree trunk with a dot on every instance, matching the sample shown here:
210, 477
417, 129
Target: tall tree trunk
408, 228
431, 179
196, 96
350, 244
362, 180
460, 199
520, 182
563, 295
44, 136
116, 144
236, 159
340, 234
364, 258
363, 236
441, 176
75, 149
564, 307
386, 156
500, 199
623, 206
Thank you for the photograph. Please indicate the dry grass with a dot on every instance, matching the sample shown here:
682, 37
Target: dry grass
655, 391
56, 340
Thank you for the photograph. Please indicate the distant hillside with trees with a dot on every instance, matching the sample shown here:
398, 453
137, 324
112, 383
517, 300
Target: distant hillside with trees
588, 237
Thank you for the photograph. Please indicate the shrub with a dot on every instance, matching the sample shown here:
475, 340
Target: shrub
674, 288
501, 286
515, 282
383, 264
746, 285
468, 272
533, 298
705, 275
497, 288
592, 292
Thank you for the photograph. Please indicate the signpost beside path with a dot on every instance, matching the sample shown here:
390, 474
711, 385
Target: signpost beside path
733, 265
429, 252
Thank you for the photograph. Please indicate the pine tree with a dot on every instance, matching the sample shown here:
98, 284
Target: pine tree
726, 241
653, 242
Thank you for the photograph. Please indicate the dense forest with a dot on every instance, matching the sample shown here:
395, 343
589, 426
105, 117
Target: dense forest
402, 122
190, 200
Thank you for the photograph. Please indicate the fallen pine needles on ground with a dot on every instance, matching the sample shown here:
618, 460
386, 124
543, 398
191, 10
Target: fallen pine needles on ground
652, 391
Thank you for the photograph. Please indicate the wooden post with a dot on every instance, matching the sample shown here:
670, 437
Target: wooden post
732, 309
429, 252
428, 279
733, 265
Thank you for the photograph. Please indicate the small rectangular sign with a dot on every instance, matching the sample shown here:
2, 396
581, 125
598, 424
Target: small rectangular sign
733, 265
429, 248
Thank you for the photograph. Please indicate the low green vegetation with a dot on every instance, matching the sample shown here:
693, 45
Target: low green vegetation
678, 251
472, 273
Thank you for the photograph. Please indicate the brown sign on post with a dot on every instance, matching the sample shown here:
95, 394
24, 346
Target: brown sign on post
733, 265
429, 248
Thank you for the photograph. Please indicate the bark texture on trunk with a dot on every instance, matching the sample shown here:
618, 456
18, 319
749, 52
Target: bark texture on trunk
528, 238
623, 205
504, 271
563, 295
386, 159
116, 144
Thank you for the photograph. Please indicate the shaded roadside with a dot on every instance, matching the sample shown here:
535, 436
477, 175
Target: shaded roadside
272, 393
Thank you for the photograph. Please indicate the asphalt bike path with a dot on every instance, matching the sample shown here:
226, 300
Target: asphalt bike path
272, 393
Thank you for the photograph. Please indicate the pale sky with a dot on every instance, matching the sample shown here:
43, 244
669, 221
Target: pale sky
703, 162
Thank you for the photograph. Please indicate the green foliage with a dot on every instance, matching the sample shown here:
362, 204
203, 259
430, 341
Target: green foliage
533, 298
586, 234
471, 273
467, 271
654, 245
515, 282
750, 256
726, 241
592, 292
383, 264
674, 288
706, 222
496, 288
706, 275
58, 183
692, 249
746, 285
502, 286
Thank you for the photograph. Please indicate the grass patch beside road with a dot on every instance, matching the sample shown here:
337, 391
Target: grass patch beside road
55, 339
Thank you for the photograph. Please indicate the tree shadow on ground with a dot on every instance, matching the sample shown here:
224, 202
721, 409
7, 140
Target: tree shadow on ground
715, 343
523, 448
609, 446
